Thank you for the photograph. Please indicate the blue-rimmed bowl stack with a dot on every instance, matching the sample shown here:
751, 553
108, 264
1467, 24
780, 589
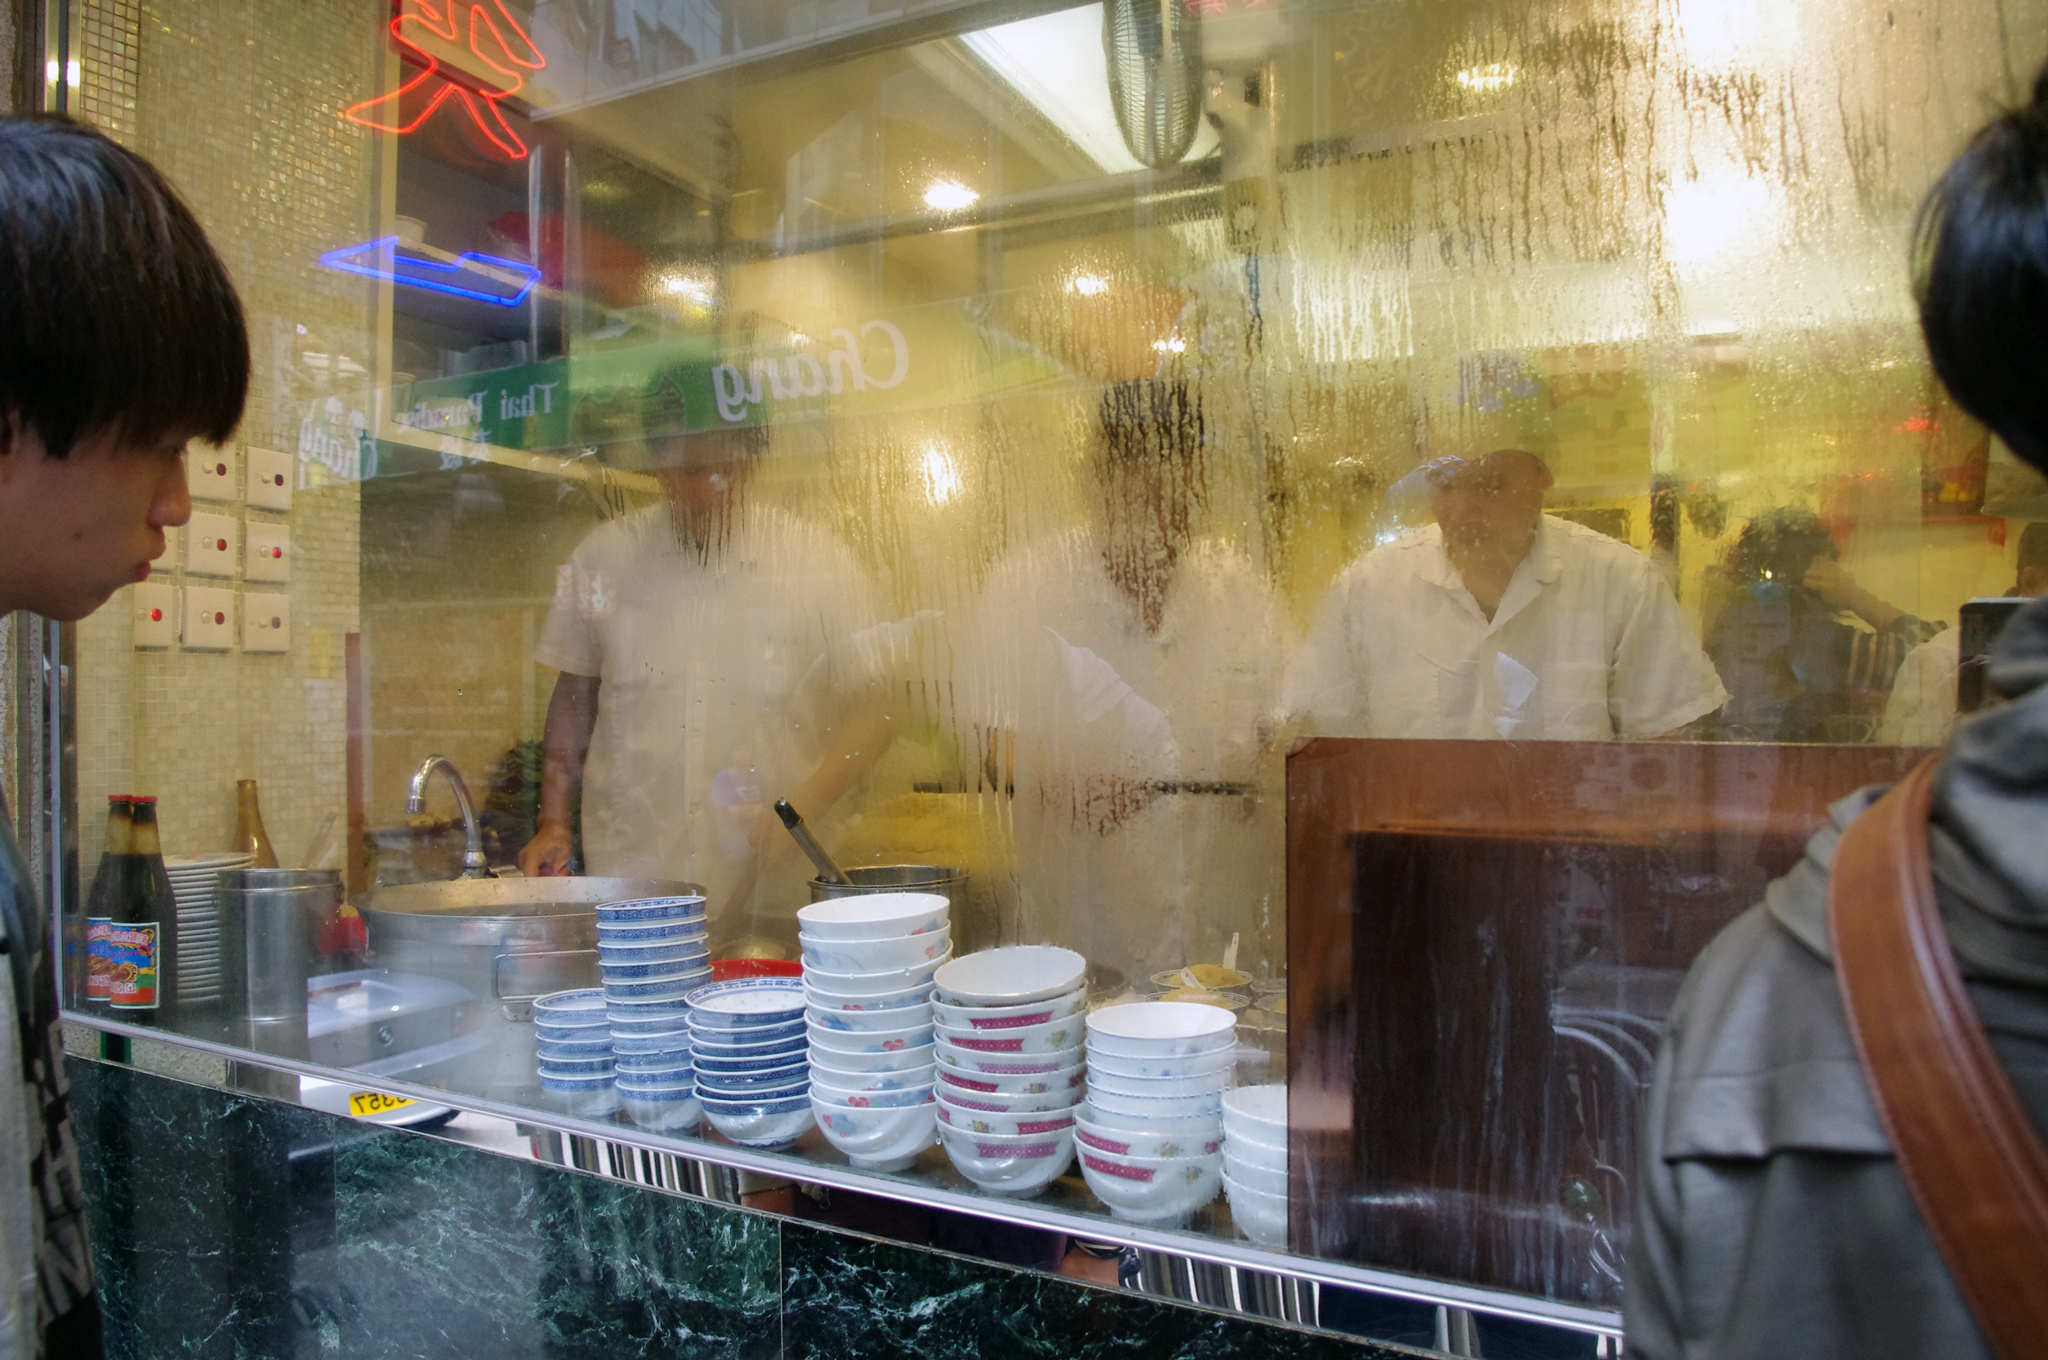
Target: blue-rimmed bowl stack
573, 1036
753, 1071
652, 953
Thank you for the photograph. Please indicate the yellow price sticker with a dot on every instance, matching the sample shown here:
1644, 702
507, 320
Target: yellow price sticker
374, 1102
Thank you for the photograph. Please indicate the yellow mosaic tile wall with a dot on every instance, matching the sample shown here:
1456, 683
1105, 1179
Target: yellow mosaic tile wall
239, 104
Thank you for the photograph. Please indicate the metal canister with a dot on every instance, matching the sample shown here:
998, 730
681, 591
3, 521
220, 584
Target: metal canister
270, 924
876, 878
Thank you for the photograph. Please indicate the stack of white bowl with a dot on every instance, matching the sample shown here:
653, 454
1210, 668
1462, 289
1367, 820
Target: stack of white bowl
575, 1044
192, 886
868, 965
752, 1077
1010, 1028
1152, 1131
1255, 1161
652, 954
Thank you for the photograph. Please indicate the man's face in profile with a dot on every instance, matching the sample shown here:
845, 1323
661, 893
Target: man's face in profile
1489, 507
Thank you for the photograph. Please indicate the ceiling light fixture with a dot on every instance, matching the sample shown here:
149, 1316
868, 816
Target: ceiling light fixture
949, 195
692, 286
941, 478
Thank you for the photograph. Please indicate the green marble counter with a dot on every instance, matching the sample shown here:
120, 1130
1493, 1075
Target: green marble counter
229, 1226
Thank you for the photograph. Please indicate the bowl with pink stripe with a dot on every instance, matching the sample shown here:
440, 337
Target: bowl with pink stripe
991, 1121
1158, 1191
1006, 1064
1074, 1078
1016, 1165
1000, 1103
1202, 1141
1055, 1036
1011, 1017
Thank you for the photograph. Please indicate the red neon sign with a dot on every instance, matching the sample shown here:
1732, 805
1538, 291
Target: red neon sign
491, 31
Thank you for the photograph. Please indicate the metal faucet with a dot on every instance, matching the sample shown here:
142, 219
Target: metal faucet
472, 830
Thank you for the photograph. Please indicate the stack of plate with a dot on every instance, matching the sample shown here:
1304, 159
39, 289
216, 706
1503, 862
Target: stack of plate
1152, 1131
1009, 1026
752, 1077
868, 965
652, 954
575, 1044
1255, 1161
192, 884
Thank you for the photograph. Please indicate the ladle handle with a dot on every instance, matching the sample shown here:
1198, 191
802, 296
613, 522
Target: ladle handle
827, 868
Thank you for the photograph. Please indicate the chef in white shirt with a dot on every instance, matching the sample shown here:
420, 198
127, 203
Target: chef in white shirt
1120, 678
1499, 621
715, 655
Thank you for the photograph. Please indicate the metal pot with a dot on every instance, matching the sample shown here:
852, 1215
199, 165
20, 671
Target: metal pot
875, 878
505, 941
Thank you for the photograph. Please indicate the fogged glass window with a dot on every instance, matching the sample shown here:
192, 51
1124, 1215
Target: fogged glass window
1007, 438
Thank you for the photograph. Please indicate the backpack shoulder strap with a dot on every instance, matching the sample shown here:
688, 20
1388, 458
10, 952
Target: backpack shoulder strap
1970, 1155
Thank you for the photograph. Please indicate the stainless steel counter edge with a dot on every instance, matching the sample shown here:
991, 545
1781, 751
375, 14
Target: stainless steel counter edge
604, 1162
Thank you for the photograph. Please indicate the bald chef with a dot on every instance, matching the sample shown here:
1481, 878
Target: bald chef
1500, 621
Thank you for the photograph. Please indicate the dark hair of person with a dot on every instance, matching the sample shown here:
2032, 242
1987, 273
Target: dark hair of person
115, 312
2033, 554
1779, 545
1981, 273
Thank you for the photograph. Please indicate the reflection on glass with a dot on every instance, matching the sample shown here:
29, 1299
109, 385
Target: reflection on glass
1921, 709
847, 410
1809, 653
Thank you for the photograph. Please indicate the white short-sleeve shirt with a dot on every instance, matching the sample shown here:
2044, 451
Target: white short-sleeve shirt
1921, 710
1146, 826
721, 678
1588, 643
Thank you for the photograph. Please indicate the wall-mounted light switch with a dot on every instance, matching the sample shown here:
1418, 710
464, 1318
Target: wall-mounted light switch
266, 623
212, 543
210, 472
154, 622
269, 554
270, 478
208, 619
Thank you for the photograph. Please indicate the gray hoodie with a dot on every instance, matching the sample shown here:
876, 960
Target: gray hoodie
1771, 1220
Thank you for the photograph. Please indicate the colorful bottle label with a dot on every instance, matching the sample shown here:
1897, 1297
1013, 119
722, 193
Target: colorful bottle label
132, 957
99, 963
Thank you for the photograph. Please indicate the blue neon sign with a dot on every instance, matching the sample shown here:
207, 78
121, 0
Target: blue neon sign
487, 278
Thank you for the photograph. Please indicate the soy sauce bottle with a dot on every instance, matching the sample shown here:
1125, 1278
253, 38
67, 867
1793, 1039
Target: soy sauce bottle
141, 936
103, 902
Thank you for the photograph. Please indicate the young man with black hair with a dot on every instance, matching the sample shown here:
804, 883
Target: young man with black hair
120, 338
1772, 1219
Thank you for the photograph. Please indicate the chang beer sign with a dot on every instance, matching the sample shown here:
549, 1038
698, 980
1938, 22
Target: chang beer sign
333, 436
810, 377
881, 365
